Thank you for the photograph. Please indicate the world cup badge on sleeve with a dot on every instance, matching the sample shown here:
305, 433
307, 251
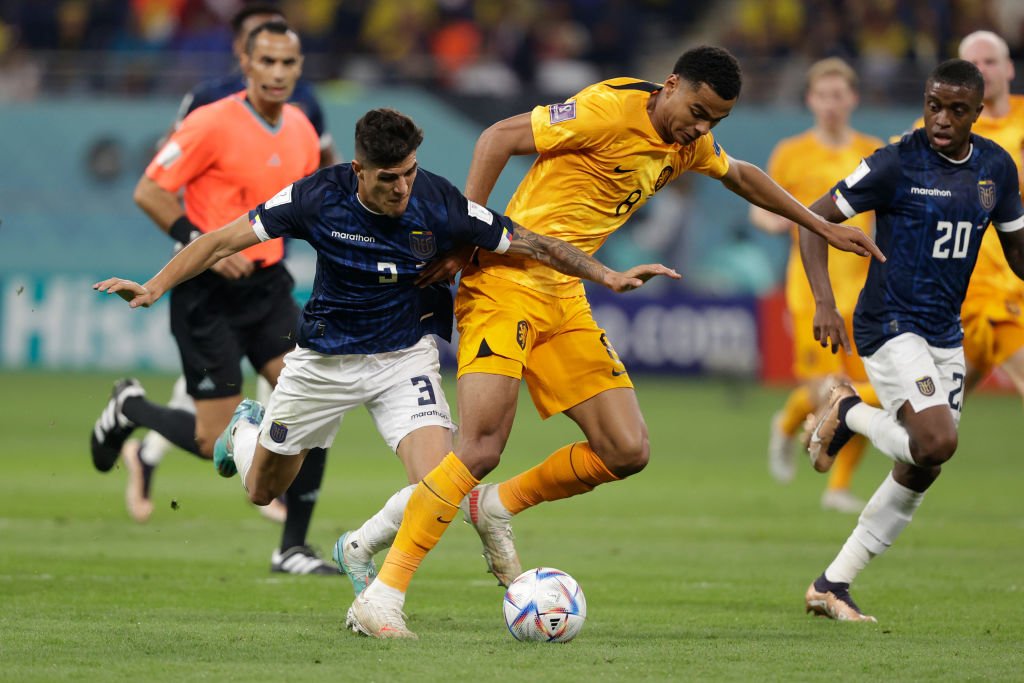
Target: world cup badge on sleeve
561, 112
422, 244
987, 194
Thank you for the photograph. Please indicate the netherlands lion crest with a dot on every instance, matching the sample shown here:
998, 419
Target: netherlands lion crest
987, 194
663, 177
521, 329
926, 386
422, 244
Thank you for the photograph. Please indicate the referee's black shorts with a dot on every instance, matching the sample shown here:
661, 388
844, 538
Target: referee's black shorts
217, 322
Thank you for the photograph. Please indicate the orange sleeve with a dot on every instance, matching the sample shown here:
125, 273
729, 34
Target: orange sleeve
192, 149
587, 121
705, 156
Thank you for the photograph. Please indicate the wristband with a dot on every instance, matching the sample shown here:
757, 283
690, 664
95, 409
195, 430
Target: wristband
183, 230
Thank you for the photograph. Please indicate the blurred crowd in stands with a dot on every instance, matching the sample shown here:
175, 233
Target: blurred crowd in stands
488, 47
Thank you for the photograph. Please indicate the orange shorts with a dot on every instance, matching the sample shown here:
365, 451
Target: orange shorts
812, 361
993, 331
553, 343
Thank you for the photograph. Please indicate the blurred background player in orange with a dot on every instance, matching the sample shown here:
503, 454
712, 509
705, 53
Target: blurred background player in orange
141, 458
228, 156
993, 310
807, 165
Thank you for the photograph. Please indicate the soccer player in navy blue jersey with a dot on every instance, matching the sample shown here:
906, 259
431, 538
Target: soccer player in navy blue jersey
934, 193
365, 335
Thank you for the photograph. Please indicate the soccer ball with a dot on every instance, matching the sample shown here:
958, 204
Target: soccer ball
545, 605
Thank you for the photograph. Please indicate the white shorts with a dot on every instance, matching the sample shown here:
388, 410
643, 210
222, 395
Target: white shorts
906, 368
401, 389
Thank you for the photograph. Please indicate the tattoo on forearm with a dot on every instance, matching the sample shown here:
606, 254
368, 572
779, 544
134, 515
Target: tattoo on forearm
562, 256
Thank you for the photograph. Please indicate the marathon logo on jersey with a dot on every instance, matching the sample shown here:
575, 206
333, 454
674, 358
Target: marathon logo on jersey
521, 330
169, 155
931, 192
422, 244
926, 386
987, 194
278, 432
557, 113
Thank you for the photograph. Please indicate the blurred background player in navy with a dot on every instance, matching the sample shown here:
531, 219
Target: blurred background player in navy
934, 194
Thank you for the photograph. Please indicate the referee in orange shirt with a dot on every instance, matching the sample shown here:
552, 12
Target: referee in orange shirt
227, 157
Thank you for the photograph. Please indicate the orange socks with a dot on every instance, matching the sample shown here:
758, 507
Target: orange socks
430, 510
569, 471
797, 407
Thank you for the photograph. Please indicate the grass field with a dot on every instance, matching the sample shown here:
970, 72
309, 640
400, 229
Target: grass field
693, 570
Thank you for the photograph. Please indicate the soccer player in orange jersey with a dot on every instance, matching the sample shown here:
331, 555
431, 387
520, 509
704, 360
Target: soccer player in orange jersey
993, 311
602, 154
807, 165
227, 157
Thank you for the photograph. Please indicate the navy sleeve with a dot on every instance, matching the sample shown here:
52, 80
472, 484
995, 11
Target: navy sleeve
1008, 210
474, 223
287, 213
872, 185
200, 97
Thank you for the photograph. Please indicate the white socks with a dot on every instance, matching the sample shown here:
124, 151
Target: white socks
379, 531
244, 450
882, 429
380, 592
885, 516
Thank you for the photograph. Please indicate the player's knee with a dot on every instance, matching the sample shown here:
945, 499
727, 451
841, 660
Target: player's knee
934, 448
262, 494
626, 453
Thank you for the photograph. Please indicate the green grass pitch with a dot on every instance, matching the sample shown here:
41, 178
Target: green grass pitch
693, 570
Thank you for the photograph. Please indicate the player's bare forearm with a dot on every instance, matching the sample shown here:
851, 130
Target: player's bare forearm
1013, 249
493, 149
814, 257
161, 206
570, 260
557, 254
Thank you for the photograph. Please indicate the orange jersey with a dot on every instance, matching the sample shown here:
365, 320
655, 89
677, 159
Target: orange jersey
992, 277
599, 160
807, 169
229, 159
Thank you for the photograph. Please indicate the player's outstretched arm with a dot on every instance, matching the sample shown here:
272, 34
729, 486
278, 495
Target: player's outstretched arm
199, 255
757, 187
570, 260
494, 147
829, 327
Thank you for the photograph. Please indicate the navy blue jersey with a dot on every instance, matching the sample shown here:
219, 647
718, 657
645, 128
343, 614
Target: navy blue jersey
364, 298
930, 215
217, 89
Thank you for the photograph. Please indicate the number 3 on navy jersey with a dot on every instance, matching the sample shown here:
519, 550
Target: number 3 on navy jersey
961, 237
388, 273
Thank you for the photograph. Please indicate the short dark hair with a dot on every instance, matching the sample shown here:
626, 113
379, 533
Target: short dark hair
275, 26
250, 9
714, 66
384, 137
958, 72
